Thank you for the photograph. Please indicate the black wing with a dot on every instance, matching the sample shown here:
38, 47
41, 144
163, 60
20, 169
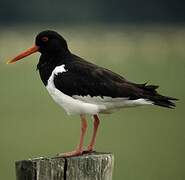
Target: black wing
83, 78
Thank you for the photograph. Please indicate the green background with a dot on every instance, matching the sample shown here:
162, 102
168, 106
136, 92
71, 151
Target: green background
148, 142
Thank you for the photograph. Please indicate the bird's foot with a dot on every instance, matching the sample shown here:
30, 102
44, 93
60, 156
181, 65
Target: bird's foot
89, 149
77, 152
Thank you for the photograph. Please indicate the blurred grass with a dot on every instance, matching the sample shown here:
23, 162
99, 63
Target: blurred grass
148, 142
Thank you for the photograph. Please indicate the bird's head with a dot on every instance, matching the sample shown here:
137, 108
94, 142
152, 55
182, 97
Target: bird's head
50, 42
46, 42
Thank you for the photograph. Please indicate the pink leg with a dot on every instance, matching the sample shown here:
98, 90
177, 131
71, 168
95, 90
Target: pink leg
96, 124
79, 149
83, 131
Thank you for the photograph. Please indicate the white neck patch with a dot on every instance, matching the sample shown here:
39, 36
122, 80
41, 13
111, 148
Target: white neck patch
58, 69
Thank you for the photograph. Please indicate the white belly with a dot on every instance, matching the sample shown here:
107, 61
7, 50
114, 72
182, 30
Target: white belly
73, 106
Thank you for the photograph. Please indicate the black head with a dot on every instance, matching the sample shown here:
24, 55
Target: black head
48, 43
51, 42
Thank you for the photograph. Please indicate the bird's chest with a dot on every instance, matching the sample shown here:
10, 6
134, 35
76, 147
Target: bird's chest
46, 66
45, 73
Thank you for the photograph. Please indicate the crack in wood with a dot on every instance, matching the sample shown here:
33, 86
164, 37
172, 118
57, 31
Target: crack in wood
65, 169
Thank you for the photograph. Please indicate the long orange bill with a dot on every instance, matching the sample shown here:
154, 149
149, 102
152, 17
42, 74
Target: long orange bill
24, 54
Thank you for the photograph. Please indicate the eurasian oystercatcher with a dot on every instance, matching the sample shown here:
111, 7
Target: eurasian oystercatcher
81, 87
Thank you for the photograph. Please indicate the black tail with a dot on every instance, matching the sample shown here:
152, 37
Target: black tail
151, 94
164, 101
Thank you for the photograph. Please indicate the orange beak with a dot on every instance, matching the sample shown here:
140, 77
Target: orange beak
24, 54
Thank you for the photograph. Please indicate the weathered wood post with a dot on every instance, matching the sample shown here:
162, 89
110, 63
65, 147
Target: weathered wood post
92, 166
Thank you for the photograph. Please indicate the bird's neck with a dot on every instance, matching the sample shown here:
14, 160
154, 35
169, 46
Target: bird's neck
48, 62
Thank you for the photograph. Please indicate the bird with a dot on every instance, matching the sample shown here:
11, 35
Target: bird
83, 88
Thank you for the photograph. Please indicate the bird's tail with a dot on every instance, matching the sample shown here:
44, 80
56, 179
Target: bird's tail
157, 99
164, 101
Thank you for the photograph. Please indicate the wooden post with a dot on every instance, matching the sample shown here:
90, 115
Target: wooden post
92, 166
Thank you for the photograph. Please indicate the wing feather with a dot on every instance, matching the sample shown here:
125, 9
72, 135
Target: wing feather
83, 78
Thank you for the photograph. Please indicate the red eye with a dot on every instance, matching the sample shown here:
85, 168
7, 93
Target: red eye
45, 39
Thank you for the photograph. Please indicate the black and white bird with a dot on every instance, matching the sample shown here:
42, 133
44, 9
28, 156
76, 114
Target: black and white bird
81, 87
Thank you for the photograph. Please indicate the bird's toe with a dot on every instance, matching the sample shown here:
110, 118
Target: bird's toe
77, 152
